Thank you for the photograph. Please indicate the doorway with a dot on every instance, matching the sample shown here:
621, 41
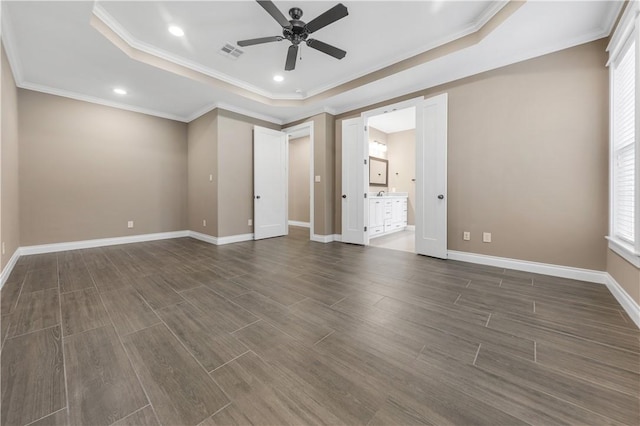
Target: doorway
300, 178
430, 176
272, 179
392, 179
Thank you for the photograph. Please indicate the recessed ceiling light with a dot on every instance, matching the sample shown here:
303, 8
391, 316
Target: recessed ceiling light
278, 78
176, 31
119, 91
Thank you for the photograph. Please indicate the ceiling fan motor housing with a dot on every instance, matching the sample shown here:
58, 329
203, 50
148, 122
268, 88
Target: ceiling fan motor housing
296, 33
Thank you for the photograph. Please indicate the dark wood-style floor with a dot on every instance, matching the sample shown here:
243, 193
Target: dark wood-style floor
287, 331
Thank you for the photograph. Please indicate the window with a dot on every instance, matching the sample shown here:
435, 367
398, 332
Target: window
624, 175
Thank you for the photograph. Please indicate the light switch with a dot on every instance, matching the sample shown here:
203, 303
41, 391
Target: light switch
466, 235
317, 178
210, 178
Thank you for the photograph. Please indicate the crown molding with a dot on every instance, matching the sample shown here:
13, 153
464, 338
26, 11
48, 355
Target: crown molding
472, 28
228, 107
419, 87
115, 26
110, 28
11, 50
99, 101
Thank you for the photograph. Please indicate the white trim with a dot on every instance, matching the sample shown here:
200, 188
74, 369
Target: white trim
219, 241
300, 224
11, 50
323, 238
4, 276
204, 237
535, 267
100, 242
628, 304
337, 237
249, 113
234, 239
623, 30
306, 126
100, 101
410, 228
624, 251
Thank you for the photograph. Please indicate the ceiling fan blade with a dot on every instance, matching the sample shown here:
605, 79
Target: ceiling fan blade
274, 12
261, 40
326, 48
292, 55
338, 11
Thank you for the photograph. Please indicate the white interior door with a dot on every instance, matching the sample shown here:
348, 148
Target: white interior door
355, 172
270, 212
431, 178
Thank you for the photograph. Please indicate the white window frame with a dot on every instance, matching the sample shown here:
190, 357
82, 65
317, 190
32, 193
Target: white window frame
627, 30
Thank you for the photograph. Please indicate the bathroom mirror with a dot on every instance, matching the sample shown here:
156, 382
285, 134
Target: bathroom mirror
378, 171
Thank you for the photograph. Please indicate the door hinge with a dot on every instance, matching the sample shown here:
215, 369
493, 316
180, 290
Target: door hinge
365, 229
365, 128
365, 195
365, 161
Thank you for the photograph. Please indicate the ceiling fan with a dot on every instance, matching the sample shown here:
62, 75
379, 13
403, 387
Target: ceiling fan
296, 31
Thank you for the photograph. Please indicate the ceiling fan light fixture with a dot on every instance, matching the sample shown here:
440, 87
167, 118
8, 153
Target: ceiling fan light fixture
176, 30
278, 78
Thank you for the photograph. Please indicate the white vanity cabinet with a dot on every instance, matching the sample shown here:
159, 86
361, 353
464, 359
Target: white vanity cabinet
387, 214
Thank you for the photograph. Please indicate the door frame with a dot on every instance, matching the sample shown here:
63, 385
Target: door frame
414, 102
308, 125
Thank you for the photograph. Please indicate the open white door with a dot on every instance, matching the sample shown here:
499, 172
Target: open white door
431, 178
270, 212
355, 172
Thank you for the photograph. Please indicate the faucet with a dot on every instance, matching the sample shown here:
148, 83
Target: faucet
380, 194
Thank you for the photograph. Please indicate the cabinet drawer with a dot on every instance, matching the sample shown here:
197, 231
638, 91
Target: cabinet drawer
376, 230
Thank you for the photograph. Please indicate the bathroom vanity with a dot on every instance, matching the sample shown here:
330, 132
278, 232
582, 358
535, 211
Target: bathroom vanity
387, 213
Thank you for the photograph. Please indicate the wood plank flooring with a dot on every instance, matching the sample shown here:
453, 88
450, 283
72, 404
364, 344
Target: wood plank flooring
288, 331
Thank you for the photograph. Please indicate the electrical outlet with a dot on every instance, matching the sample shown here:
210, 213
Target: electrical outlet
250, 222
130, 224
204, 222
3, 247
466, 235
486, 237
317, 178
210, 178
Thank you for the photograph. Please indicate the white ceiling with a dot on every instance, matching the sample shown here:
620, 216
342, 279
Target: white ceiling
53, 48
394, 121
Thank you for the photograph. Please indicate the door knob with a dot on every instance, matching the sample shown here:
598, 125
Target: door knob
440, 197
258, 197
344, 196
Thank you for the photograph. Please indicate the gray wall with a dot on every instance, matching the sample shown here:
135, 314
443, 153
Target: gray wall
299, 175
86, 169
9, 202
527, 158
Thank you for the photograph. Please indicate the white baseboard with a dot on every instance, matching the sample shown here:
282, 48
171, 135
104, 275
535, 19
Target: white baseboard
628, 304
323, 238
218, 241
300, 224
234, 239
337, 237
4, 276
535, 267
204, 237
100, 242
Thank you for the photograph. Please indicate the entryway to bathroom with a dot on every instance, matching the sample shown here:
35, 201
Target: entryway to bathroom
392, 179
394, 170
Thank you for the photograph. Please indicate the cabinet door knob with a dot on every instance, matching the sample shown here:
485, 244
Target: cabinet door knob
440, 197
344, 195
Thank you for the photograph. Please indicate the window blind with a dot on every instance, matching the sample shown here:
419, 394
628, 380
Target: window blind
623, 147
